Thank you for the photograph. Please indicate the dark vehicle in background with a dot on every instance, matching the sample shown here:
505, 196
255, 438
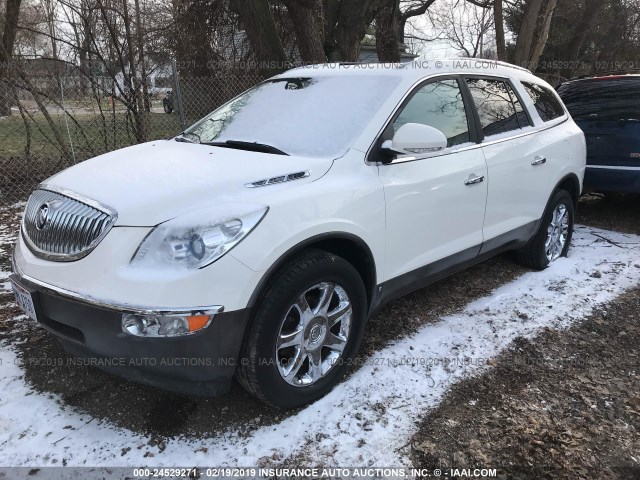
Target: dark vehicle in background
607, 109
167, 102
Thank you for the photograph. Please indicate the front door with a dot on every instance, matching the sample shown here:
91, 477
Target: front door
435, 204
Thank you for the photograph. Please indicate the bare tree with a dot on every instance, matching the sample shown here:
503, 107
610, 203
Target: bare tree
192, 34
143, 103
526, 34
498, 20
592, 9
50, 19
543, 35
391, 23
327, 29
346, 25
410, 9
465, 24
307, 21
9, 31
260, 28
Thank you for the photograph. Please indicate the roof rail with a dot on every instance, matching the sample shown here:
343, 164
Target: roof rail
607, 73
497, 62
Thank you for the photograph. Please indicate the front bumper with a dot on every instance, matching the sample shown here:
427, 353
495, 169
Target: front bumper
202, 363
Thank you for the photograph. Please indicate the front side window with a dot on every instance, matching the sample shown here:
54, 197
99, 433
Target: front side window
439, 105
547, 104
495, 106
319, 116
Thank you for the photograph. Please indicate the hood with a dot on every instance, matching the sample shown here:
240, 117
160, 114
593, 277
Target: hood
150, 183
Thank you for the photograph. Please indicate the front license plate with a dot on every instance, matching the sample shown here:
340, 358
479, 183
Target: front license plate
24, 301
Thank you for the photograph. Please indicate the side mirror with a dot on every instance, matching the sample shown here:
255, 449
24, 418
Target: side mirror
415, 138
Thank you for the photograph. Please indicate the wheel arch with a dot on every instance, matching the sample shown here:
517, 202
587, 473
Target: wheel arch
345, 245
571, 184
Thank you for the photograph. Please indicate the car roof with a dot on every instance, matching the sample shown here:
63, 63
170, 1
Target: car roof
417, 69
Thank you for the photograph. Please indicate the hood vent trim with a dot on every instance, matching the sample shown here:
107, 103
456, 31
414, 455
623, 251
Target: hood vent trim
279, 179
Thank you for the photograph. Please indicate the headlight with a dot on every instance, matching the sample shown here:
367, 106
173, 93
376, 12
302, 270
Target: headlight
199, 238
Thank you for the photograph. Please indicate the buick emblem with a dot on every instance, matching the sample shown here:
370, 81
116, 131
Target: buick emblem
43, 216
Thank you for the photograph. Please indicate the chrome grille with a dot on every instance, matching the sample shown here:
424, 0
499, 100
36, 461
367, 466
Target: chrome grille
63, 226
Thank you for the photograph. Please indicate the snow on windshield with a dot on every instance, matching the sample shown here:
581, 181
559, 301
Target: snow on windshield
318, 116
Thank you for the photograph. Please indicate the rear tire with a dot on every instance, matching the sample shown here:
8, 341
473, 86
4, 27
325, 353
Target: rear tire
554, 235
293, 352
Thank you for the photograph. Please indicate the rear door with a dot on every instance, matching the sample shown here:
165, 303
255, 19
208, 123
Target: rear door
520, 162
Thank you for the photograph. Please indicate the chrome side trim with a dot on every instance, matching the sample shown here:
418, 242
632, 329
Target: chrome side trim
612, 167
118, 307
475, 146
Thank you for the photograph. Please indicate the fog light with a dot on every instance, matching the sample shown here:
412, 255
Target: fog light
167, 325
134, 324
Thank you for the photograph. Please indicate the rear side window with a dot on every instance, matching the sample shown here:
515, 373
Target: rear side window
495, 104
547, 104
440, 105
603, 99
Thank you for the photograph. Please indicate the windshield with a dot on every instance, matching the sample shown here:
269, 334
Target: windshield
319, 116
615, 99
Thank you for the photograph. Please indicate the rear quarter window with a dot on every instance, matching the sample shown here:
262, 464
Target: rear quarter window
546, 103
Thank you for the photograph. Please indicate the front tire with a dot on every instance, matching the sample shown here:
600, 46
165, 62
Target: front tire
305, 332
553, 238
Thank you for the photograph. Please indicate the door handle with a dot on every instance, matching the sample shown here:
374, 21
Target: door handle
539, 161
474, 180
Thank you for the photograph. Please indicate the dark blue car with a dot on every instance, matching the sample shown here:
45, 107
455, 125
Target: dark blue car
608, 111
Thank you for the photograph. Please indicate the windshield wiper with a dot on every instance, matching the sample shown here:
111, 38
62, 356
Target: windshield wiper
183, 137
249, 146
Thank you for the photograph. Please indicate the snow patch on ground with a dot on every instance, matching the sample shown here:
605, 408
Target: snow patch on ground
7, 235
368, 419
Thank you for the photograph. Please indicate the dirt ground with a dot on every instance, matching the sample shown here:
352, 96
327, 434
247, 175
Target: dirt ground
564, 406
517, 431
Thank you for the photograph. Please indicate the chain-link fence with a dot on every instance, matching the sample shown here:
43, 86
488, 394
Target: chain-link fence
50, 122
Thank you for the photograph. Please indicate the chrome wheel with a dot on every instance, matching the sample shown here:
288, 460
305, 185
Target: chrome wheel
557, 233
313, 334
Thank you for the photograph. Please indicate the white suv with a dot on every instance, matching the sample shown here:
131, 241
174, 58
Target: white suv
259, 242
